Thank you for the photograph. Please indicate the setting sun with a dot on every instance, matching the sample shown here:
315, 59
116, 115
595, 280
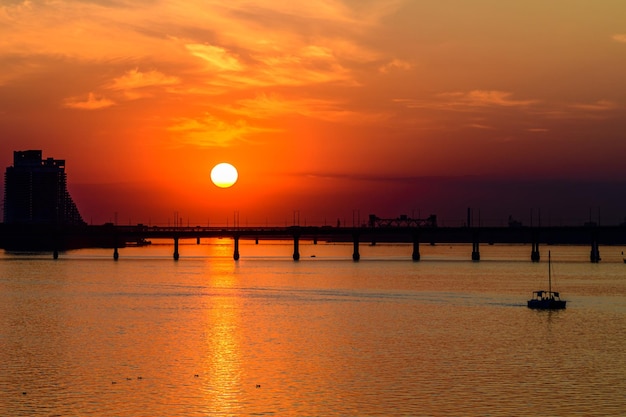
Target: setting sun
224, 175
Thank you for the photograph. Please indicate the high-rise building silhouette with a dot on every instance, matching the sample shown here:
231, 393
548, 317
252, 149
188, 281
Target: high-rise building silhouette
35, 191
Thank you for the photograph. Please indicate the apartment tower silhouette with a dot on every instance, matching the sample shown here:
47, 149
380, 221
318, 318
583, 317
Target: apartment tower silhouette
35, 191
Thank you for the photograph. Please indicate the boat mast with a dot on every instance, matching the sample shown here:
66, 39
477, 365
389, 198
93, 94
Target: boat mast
549, 276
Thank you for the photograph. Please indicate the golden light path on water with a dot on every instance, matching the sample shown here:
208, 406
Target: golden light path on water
208, 336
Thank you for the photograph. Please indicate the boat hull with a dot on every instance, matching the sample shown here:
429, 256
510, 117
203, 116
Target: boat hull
549, 304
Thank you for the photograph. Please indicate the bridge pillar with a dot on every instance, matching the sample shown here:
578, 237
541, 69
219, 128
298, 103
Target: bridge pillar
116, 254
475, 248
176, 254
198, 240
236, 250
535, 256
315, 240
55, 254
296, 247
416, 247
256, 241
355, 243
594, 257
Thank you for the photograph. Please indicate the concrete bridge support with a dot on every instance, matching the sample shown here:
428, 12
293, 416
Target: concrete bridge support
594, 256
116, 253
176, 254
355, 243
475, 247
416, 247
535, 256
296, 247
236, 250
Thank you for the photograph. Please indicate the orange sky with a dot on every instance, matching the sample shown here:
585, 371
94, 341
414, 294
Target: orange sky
388, 107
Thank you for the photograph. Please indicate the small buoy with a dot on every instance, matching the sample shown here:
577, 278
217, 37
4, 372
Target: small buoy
196, 375
258, 385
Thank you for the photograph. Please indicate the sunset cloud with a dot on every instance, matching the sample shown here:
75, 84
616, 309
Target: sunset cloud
92, 102
480, 98
460, 100
311, 64
396, 64
217, 57
480, 126
252, 45
136, 79
266, 106
598, 106
271, 105
209, 131
619, 37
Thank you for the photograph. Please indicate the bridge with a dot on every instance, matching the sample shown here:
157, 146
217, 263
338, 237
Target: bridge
54, 238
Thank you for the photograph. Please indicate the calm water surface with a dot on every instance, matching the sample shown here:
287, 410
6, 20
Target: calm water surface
265, 336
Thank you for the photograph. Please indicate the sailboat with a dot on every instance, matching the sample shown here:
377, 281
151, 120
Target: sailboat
547, 300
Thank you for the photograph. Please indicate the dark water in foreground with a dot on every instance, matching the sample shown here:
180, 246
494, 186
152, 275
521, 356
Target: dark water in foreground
266, 336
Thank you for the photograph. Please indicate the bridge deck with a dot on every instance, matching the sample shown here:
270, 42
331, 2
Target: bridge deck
37, 237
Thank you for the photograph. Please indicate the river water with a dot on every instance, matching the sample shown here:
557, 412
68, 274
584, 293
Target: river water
85, 335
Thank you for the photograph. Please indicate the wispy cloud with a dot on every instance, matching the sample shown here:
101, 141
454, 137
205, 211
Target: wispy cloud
285, 65
480, 126
464, 100
598, 106
217, 57
619, 37
136, 79
209, 131
272, 105
92, 102
135, 84
395, 64
309, 64
482, 98
266, 106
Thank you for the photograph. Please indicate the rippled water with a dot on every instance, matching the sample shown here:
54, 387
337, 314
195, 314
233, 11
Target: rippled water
265, 336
